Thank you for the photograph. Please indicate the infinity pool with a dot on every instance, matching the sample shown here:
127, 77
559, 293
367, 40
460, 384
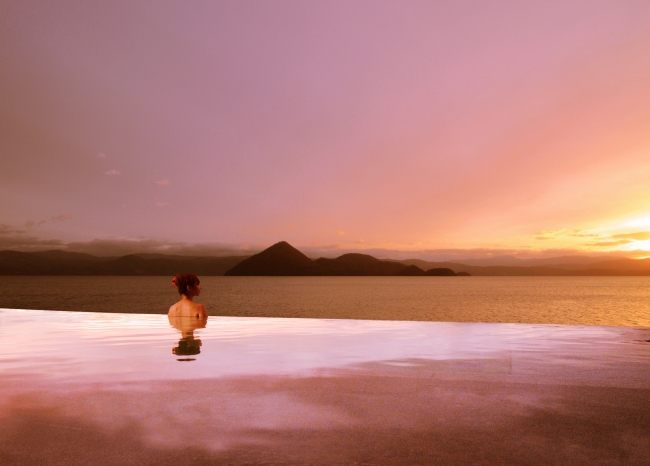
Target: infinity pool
81, 388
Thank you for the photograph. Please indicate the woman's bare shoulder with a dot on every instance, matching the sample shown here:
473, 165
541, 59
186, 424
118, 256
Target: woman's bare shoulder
173, 310
198, 310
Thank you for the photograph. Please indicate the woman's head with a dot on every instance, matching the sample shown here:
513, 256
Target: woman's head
187, 284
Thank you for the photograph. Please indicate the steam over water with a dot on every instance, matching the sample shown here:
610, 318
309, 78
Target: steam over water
616, 301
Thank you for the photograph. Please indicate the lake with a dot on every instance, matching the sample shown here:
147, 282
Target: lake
610, 301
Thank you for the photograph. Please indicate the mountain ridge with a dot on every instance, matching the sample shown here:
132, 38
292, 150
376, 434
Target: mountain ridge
36, 263
59, 262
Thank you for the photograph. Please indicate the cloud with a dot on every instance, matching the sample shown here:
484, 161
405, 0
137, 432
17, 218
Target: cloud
31, 223
61, 218
621, 239
546, 235
582, 234
113, 172
641, 253
9, 230
605, 244
101, 155
163, 182
124, 246
638, 236
16, 239
549, 234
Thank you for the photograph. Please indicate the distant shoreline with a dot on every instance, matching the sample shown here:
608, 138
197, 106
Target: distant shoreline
282, 259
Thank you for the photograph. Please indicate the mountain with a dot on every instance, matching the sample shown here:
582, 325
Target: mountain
623, 264
512, 261
440, 272
612, 267
26, 263
411, 271
69, 263
354, 264
561, 262
57, 254
281, 259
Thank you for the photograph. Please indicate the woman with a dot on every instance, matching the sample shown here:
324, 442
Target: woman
188, 286
187, 316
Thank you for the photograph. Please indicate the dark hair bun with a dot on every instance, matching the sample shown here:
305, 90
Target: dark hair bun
185, 282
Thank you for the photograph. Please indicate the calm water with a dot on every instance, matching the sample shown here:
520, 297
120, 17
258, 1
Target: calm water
81, 388
112, 347
614, 301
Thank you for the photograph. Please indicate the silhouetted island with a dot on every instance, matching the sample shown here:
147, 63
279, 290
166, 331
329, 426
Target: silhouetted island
354, 264
282, 259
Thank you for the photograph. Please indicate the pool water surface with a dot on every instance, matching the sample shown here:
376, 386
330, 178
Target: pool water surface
80, 388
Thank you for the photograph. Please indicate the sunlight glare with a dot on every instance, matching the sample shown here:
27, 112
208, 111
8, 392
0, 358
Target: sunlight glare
639, 222
639, 245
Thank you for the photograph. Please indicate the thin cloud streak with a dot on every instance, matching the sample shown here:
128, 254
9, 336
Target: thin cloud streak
17, 239
121, 247
639, 236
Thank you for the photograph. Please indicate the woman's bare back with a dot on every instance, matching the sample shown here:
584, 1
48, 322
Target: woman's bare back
187, 308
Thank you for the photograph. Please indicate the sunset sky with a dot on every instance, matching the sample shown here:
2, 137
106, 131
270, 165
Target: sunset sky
433, 129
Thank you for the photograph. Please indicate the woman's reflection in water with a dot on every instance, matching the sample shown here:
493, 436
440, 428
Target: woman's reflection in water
187, 345
187, 316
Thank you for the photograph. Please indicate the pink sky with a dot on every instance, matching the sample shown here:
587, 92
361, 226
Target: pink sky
484, 126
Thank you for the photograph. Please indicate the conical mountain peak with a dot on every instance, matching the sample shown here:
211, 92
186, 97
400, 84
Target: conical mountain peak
281, 259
